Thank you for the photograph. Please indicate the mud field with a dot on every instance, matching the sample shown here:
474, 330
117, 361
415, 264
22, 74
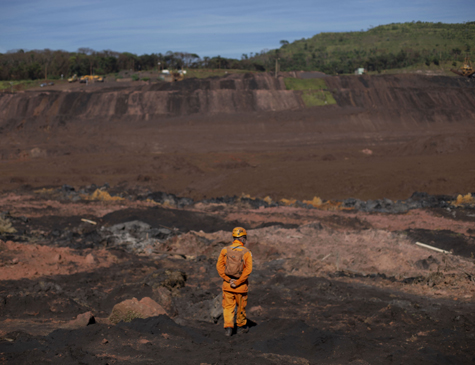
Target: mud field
387, 137
99, 266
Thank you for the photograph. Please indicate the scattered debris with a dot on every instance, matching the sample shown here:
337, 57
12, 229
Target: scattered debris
432, 248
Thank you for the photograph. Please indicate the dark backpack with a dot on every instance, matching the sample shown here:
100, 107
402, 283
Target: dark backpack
235, 261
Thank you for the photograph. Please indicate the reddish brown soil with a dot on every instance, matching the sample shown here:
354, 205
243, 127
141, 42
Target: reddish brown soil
388, 137
340, 287
328, 287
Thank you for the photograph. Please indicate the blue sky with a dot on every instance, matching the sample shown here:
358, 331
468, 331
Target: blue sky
205, 27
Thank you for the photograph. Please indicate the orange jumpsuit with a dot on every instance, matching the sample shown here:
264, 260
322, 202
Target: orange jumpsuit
238, 295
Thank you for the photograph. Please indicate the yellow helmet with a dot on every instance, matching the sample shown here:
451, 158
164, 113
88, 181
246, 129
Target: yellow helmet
239, 232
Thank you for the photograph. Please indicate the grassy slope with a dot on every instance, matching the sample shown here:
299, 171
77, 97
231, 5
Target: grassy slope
434, 40
314, 91
391, 38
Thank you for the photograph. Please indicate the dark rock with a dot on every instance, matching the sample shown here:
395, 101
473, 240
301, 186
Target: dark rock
255, 203
427, 263
83, 320
166, 278
67, 188
207, 311
133, 236
170, 199
399, 208
160, 233
163, 296
373, 205
350, 202
225, 199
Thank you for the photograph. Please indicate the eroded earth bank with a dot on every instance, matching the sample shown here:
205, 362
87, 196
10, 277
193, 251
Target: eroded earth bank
387, 137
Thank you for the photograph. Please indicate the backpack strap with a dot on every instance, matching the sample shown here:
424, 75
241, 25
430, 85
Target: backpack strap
235, 248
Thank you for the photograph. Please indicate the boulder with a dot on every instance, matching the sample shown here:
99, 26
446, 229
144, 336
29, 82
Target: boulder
163, 296
134, 236
169, 279
90, 259
82, 320
130, 309
207, 311
169, 199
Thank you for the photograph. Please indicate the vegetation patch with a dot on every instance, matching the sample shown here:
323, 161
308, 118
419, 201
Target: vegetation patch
101, 195
314, 91
317, 98
6, 226
392, 46
130, 315
464, 199
203, 73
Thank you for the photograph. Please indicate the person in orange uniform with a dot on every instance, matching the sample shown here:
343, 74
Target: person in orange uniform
235, 283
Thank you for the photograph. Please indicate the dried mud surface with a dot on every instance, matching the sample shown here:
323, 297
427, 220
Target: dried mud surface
387, 137
328, 286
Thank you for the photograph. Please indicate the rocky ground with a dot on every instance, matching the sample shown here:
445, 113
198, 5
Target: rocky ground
331, 285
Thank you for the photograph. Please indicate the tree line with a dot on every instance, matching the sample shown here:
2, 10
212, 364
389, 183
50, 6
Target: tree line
43, 64
380, 48
392, 46
375, 60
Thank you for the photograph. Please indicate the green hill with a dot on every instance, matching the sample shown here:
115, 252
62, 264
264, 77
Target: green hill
391, 46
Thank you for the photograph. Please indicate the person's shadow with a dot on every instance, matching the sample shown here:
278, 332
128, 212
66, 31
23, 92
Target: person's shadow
250, 324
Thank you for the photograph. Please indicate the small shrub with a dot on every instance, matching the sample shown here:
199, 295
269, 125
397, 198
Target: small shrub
317, 98
102, 196
117, 317
6, 226
135, 77
145, 78
464, 199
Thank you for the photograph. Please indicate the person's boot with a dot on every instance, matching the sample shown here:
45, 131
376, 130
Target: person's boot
243, 329
228, 331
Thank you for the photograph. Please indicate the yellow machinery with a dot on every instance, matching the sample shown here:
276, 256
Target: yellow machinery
91, 78
178, 76
466, 70
173, 76
73, 78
